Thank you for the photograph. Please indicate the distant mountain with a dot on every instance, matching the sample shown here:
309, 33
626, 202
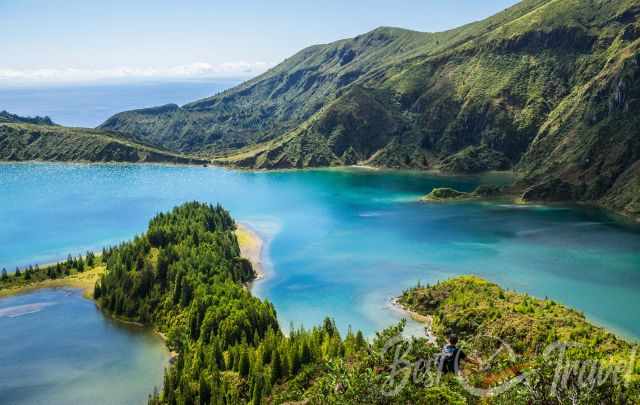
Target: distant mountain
547, 87
6, 117
26, 139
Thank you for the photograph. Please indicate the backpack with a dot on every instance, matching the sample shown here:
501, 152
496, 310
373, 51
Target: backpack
448, 359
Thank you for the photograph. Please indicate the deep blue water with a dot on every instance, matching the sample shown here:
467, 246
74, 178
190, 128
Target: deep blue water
90, 105
56, 348
343, 242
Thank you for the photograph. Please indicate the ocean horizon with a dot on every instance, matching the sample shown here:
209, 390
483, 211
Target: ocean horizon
89, 105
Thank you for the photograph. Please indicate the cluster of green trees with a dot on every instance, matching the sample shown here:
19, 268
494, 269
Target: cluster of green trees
32, 274
186, 278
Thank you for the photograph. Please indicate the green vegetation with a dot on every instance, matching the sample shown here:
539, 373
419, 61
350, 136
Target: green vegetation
470, 306
26, 139
475, 159
474, 309
80, 272
185, 278
448, 194
8, 118
549, 87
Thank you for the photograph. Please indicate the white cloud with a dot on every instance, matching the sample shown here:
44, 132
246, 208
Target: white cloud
199, 70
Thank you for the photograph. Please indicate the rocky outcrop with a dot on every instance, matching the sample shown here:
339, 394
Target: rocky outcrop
448, 194
550, 191
475, 159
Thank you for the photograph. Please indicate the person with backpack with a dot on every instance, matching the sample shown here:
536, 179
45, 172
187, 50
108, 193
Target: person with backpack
449, 359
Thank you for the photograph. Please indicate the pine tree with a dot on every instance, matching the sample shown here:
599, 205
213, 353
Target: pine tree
294, 361
4, 276
256, 397
178, 288
276, 367
218, 356
244, 364
91, 259
204, 390
360, 341
305, 353
97, 292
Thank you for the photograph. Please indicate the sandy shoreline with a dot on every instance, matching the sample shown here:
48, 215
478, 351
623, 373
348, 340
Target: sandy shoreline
251, 248
426, 320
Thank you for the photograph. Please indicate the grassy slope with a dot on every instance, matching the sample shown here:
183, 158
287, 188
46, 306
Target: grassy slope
26, 142
473, 308
470, 306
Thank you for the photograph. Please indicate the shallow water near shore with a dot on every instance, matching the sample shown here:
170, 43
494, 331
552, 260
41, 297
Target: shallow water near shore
339, 243
57, 348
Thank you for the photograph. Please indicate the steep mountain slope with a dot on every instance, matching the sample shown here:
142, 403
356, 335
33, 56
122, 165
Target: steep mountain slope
22, 140
589, 148
267, 106
548, 87
282, 99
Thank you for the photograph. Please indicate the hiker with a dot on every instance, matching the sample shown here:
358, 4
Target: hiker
449, 359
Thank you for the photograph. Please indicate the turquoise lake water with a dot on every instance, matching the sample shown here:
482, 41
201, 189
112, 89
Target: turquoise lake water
56, 348
341, 243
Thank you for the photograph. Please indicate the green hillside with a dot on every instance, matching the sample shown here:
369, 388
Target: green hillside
8, 118
46, 142
547, 87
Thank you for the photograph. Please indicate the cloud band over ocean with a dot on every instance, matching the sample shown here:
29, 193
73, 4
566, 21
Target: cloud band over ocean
200, 70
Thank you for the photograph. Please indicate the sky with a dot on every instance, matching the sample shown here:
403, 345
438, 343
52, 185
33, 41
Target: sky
65, 41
